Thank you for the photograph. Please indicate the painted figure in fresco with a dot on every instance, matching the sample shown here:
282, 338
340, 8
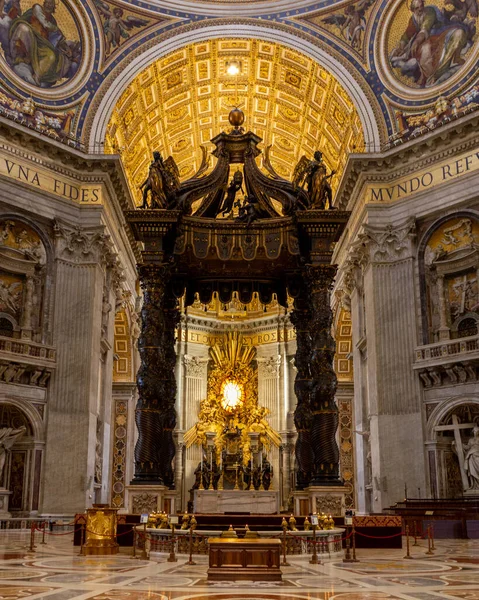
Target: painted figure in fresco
162, 180
471, 459
351, 22
431, 48
116, 26
8, 436
10, 296
34, 45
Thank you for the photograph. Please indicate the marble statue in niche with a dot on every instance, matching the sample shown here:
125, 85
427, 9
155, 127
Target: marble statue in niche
471, 459
428, 45
11, 292
451, 261
40, 42
8, 436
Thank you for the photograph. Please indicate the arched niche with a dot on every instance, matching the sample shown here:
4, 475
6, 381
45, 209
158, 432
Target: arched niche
25, 271
449, 431
22, 471
449, 268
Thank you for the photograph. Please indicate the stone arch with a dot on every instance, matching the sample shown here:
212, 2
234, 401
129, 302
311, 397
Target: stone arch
443, 409
366, 105
22, 471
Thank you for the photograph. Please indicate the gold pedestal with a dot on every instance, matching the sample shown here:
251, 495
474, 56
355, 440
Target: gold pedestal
101, 530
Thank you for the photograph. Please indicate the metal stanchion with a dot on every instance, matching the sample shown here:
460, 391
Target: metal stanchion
172, 557
429, 547
32, 537
43, 534
433, 547
82, 539
190, 548
314, 559
134, 541
347, 554
284, 563
354, 544
144, 555
415, 534
408, 554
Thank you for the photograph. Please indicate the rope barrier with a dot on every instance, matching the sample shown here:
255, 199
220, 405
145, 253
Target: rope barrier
380, 537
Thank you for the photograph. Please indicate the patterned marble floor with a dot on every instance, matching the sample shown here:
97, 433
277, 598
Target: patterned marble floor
56, 572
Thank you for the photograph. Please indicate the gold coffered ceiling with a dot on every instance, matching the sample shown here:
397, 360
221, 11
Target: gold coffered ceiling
182, 100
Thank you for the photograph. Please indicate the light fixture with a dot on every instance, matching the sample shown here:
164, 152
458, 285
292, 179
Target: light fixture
233, 68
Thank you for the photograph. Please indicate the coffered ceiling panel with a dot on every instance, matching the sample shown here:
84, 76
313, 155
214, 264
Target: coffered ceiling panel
183, 100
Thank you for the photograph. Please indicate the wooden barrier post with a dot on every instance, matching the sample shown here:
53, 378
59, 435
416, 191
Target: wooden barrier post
408, 554
285, 563
314, 559
190, 548
172, 557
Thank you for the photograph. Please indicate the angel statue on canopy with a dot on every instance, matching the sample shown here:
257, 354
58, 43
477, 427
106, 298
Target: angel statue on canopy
162, 181
314, 174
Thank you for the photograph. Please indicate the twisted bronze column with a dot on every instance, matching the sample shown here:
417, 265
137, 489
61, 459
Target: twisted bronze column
323, 388
155, 414
301, 319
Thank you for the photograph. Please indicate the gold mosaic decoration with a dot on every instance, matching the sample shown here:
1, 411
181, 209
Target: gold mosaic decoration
183, 100
122, 367
343, 364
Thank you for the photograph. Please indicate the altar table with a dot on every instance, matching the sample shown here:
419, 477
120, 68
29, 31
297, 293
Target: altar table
243, 558
247, 501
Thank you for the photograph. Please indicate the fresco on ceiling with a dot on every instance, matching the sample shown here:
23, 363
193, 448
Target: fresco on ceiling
40, 42
350, 23
429, 41
117, 25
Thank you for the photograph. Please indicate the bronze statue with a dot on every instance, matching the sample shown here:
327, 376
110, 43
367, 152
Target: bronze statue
236, 184
267, 474
162, 181
315, 174
248, 212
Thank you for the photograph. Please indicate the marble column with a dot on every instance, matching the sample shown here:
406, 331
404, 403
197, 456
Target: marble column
82, 258
392, 397
444, 331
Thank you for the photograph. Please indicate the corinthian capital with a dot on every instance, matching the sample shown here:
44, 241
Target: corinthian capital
81, 245
390, 243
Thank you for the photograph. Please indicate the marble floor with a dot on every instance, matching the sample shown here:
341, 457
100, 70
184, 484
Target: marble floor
56, 572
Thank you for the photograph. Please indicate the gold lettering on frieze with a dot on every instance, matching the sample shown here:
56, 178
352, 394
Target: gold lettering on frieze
256, 339
41, 179
440, 173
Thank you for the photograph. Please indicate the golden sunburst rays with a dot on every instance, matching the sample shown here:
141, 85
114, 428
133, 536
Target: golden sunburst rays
233, 366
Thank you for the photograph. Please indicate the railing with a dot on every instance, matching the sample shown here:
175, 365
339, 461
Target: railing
28, 349
447, 349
